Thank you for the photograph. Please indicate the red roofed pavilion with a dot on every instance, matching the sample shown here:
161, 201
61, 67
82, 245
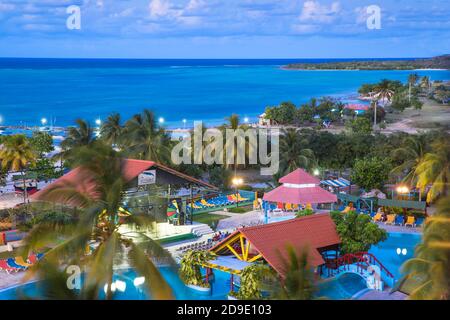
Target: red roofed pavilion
299, 188
269, 242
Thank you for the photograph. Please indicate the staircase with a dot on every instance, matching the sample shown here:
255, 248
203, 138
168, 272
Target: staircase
363, 263
201, 229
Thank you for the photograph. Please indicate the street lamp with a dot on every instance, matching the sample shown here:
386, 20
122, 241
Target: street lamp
246, 119
402, 189
184, 123
161, 120
236, 183
98, 122
44, 121
316, 172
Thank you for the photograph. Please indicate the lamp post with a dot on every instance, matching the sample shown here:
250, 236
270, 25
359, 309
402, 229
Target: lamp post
236, 183
44, 121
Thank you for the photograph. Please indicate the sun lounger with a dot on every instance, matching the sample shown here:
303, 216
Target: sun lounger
377, 217
5, 267
419, 222
411, 221
390, 219
399, 220
12, 263
21, 262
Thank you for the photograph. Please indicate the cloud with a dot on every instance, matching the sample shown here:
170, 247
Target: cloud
313, 11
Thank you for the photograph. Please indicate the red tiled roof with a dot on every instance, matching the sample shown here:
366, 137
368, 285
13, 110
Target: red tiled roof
299, 176
312, 195
131, 169
357, 107
270, 240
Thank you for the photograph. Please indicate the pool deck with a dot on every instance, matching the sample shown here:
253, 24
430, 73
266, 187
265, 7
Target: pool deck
382, 295
399, 229
9, 280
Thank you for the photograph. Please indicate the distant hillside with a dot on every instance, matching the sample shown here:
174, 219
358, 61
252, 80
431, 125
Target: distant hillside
440, 62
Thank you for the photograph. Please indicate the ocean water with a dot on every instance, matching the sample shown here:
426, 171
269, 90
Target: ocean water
63, 90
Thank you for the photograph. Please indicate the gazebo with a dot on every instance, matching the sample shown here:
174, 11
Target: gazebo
300, 188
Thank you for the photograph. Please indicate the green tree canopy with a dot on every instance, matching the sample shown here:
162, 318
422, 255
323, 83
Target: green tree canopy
370, 173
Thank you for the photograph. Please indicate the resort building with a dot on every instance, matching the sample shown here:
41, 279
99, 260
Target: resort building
268, 243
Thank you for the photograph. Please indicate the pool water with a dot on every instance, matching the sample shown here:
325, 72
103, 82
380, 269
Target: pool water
395, 250
344, 286
130, 291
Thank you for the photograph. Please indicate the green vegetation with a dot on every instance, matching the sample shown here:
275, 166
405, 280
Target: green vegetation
304, 213
440, 62
252, 281
209, 219
242, 209
360, 125
428, 273
357, 231
371, 173
190, 267
97, 219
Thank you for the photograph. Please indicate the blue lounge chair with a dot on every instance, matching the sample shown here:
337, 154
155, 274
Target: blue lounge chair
419, 222
12, 263
399, 220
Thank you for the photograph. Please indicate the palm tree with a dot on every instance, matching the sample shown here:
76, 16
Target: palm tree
411, 153
98, 221
292, 153
434, 169
111, 130
79, 136
412, 80
425, 83
382, 93
427, 275
145, 139
17, 154
298, 282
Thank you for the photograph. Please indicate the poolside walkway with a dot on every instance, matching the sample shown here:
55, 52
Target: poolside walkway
399, 229
9, 280
240, 219
382, 295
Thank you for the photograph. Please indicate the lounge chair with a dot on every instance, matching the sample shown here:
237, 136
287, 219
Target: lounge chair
390, 219
21, 262
419, 222
5, 267
203, 202
12, 263
411, 221
399, 220
377, 217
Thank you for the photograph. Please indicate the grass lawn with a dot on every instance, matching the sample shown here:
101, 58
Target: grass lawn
209, 219
240, 209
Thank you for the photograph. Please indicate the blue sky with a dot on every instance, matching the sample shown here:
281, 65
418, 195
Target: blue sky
224, 29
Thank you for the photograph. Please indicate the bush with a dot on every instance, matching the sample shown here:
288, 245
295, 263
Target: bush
303, 213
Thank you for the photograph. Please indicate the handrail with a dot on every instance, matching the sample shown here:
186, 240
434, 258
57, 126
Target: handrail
357, 258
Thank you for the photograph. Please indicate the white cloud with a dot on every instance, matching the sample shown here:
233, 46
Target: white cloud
313, 11
6, 7
159, 8
195, 5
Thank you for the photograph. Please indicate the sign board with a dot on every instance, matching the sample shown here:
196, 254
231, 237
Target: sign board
147, 177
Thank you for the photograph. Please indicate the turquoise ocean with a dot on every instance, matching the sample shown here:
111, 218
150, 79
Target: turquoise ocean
63, 90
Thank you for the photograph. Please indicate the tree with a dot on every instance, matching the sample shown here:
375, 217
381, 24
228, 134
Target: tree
371, 173
412, 80
220, 177
145, 140
111, 130
190, 266
42, 143
98, 221
409, 154
357, 231
283, 113
17, 155
434, 169
427, 275
252, 281
77, 137
298, 283
360, 125
293, 153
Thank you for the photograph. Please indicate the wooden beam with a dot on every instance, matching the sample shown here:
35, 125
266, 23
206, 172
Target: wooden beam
247, 247
255, 258
234, 252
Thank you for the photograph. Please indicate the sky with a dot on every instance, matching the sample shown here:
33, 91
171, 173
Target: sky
224, 28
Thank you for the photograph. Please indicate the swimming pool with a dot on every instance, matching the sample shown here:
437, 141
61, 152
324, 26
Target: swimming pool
128, 287
343, 287
395, 250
